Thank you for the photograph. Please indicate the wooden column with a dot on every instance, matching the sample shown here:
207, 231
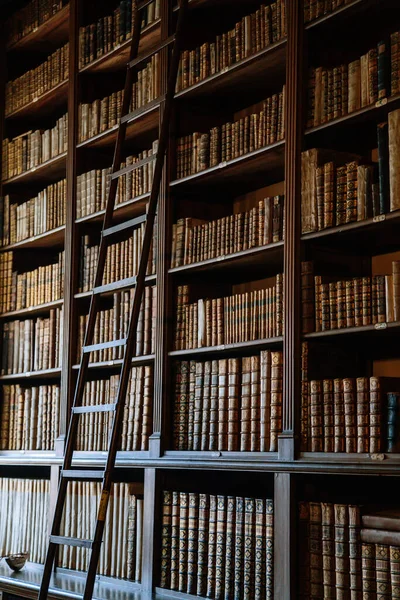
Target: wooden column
151, 531
163, 249
71, 266
292, 264
284, 537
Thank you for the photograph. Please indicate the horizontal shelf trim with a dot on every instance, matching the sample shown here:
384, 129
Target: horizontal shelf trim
256, 344
32, 309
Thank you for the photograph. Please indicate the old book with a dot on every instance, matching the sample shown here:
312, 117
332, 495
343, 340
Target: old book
396, 290
249, 526
202, 547
342, 562
383, 164
380, 536
165, 541
260, 557
316, 412
388, 519
233, 404
192, 543
354, 79
276, 399
394, 158
349, 400
183, 541
230, 547
354, 551
368, 571
175, 550
315, 545
220, 548
395, 571
304, 549
382, 566
328, 549
212, 547
362, 384
393, 422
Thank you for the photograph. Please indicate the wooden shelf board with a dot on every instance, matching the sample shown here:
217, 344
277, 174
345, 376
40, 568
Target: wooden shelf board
28, 457
113, 364
43, 374
145, 123
373, 236
266, 256
237, 348
53, 31
51, 170
45, 104
251, 169
48, 239
382, 329
67, 584
121, 211
245, 72
374, 113
32, 310
98, 459
117, 58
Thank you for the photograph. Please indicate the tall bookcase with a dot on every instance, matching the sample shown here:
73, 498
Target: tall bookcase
288, 474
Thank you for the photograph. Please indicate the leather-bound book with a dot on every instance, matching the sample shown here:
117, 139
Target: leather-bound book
260, 556
202, 546
315, 545
239, 549
269, 549
205, 413
174, 572
213, 424
230, 547
362, 414
183, 541
307, 297
395, 571
166, 526
276, 398
316, 412
329, 194
349, 397
255, 405
382, 566
341, 194
320, 198
342, 561
212, 545
328, 549
192, 543
198, 406
355, 552
375, 415
304, 550
222, 404
383, 164
396, 289
352, 187
394, 158
327, 390
265, 399
354, 83
368, 571
249, 549
220, 547
191, 398
233, 404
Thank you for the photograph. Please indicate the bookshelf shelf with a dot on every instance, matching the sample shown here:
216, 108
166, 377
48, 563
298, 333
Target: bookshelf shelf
245, 72
229, 349
32, 310
49, 171
118, 57
52, 238
267, 258
50, 34
43, 374
368, 331
251, 170
44, 104
28, 457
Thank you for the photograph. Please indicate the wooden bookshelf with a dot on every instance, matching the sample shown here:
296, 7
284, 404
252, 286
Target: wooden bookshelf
232, 187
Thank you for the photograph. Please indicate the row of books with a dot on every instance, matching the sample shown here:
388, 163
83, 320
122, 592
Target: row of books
33, 148
350, 415
24, 507
94, 428
40, 214
39, 286
112, 323
337, 91
239, 318
217, 546
329, 551
92, 187
328, 305
252, 33
32, 344
229, 404
200, 151
337, 188
195, 240
121, 550
110, 31
30, 17
102, 114
6, 267
29, 417
313, 9
36, 82
122, 260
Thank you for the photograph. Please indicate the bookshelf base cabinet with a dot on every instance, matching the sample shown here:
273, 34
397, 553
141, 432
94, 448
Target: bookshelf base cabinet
261, 432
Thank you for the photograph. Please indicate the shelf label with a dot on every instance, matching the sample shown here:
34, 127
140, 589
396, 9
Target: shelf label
223, 164
216, 454
378, 456
380, 325
381, 102
379, 218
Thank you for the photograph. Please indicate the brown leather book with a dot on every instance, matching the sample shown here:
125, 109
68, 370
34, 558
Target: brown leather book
183, 541
395, 571
388, 519
212, 545
276, 398
315, 544
304, 549
363, 432
166, 526
396, 289
342, 561
316, 412
233, 404
230, 547
328, 549
394, 159
202, 547
260, 554
380, 536
328, 416
339, 417
249, 557
223, 405
192, 543
354, 551
368, 571
349, 397
307, 297
174, 572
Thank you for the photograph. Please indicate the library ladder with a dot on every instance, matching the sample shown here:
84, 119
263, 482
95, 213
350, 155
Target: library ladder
109, 232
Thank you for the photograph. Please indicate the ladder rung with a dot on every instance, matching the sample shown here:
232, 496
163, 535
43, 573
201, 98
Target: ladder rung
83, 410
137, 61
80, 475
125, 225
62, 540
104, 346
133, 167
122, 284
144, 4
148, 107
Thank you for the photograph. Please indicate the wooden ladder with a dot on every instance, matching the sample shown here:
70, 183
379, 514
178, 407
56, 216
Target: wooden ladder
109, 232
